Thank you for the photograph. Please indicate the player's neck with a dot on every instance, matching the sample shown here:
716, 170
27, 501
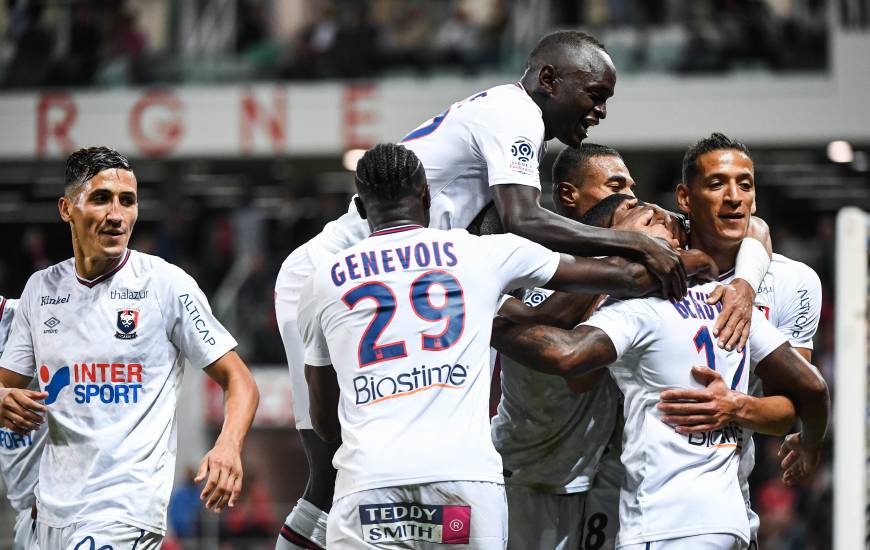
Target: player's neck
91, 267
380, 225
723, 253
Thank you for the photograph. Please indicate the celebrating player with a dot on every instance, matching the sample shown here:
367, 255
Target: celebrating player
790, 297
405, 316
549, 437
487, 148
19, 456
107, 333
671, 476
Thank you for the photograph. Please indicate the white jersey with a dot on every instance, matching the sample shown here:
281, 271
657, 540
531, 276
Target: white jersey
405, 318
677, 485
550, 438
19, 454
790, 296
493, 137
109, 352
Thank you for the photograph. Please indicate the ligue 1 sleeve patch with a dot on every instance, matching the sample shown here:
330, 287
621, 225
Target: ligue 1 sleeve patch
523, 157
410, 521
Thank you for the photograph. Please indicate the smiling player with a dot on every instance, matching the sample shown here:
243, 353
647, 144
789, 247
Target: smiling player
107, 333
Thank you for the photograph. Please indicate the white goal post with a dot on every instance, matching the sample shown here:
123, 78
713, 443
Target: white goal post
850, 372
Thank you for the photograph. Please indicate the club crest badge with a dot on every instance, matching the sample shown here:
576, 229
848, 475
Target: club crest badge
127, 323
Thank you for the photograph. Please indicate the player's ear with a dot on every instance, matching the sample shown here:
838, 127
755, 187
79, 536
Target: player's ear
427, 198
64, 206
567, 194
360, 207
682, 196
548, 79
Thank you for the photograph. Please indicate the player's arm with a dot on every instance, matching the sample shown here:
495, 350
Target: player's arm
732, 325
20, 409
616, 276
551, 350
521, 213
222, 465
786, 372
323, 394
716, 406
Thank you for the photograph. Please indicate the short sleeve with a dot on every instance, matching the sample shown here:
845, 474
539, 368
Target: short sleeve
190, 324
629, 324
18, 355
535, 296
316, 347
801, 306
764, 338
511, 147
517, 262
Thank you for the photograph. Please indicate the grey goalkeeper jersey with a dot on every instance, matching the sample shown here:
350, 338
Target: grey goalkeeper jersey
550, 438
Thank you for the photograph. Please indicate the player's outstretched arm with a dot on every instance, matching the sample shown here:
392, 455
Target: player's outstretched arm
521, 213
560, 309
222, 465
716, 406
323, 395
617, 276
20, 408
551, 350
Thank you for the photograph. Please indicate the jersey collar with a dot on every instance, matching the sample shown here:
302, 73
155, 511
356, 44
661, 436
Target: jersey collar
727, 274
91, 283
396, 229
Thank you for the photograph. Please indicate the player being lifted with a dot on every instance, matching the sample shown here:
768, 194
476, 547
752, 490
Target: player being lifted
682, 490
404, 316
19, 456
480, 150
107, 333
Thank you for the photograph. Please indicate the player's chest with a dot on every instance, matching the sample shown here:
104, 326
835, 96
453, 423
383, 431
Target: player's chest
109, 321
687, 340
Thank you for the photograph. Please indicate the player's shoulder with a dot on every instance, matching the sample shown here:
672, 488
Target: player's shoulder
798, 273
492, 105
51, 274
162, 272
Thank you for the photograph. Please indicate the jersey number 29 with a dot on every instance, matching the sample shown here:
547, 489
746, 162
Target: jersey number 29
452, 310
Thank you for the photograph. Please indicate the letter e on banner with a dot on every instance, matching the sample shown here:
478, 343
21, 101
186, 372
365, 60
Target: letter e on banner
156, 123
55, 116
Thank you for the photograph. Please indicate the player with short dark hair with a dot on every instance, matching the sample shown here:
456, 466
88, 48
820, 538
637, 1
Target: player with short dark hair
107, 333
584, 175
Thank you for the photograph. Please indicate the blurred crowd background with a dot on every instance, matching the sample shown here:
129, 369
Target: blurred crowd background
231, 220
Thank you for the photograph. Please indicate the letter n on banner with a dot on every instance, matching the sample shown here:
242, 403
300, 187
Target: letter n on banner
253, 114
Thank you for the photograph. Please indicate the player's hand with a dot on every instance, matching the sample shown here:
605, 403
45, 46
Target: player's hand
21, 410
798, 460
663, 261
222, 467
701, 410
699, 264
732, 326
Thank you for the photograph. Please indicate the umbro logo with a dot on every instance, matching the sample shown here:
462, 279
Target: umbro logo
51, 323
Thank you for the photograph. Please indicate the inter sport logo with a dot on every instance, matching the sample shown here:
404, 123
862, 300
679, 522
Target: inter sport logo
95, 383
